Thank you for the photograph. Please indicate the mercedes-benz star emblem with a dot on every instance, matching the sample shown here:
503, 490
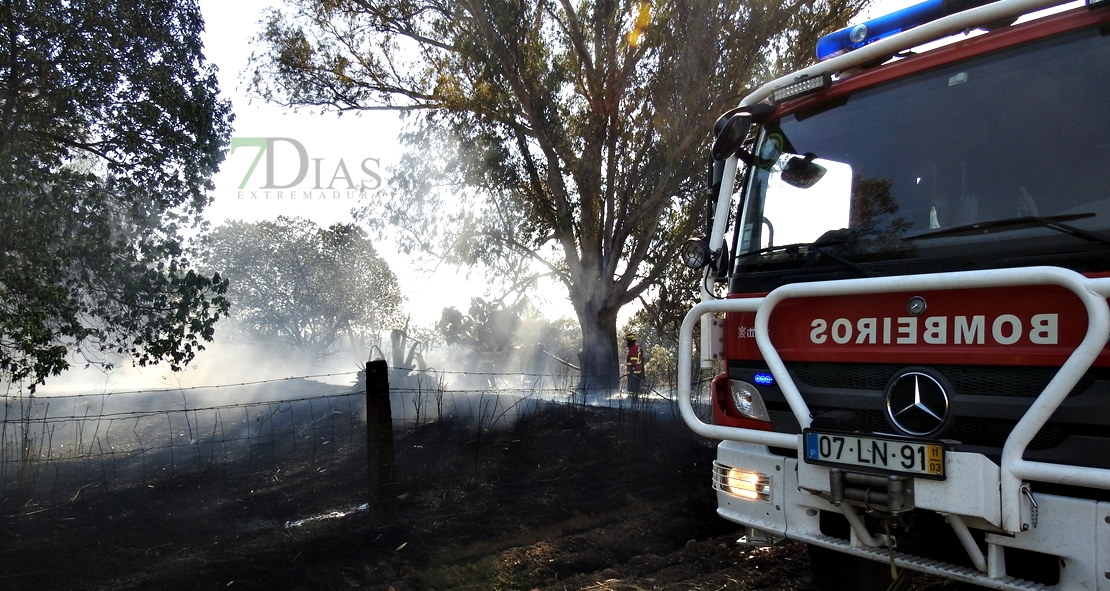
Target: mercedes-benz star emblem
916, 306
916, 403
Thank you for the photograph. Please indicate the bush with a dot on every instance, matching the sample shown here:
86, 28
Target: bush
660, 369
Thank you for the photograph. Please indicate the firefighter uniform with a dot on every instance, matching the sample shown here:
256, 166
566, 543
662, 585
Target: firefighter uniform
634, 364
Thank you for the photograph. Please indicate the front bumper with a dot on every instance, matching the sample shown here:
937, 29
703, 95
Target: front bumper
1077, 531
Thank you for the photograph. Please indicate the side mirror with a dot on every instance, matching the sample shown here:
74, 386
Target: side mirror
730, 134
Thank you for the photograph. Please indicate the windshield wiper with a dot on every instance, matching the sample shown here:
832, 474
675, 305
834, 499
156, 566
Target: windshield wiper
814, 247
1054, 222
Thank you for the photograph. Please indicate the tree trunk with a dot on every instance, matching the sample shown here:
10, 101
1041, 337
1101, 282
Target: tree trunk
598, 358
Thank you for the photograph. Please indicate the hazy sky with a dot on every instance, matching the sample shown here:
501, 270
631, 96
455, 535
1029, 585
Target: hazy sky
326, 137
335, 149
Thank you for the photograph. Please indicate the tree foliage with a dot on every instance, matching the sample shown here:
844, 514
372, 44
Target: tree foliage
560, 338
110, 130
665, 307
661, 369
558, 136
493, 337
300, 288
486, 334
487, 325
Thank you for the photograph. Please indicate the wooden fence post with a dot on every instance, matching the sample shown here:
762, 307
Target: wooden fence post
380, 459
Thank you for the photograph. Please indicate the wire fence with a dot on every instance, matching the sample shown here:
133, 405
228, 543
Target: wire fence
54, 447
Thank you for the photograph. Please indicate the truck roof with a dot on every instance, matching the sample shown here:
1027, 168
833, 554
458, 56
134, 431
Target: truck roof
883, 49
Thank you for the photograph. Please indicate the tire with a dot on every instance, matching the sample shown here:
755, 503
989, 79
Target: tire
834, 571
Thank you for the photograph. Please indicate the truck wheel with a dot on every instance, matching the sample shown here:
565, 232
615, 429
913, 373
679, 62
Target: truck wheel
834, 571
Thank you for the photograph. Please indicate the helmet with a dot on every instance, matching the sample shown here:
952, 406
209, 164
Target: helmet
630, 336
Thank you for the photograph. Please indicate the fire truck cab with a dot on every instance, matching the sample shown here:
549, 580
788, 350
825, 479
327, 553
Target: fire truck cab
906, 281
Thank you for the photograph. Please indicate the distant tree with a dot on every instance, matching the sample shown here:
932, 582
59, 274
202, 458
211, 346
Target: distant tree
659, 319
487, 331
664, 308
559, 135
501, 338
661, 369
549, 349
560, 339
110, 130
486, 321
301, 288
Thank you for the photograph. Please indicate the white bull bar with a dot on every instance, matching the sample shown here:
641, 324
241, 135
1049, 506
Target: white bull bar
1014, 469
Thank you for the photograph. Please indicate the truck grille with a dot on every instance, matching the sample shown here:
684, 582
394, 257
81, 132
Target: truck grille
968, 430
982, 380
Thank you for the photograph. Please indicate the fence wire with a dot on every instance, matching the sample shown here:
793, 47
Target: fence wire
53, 447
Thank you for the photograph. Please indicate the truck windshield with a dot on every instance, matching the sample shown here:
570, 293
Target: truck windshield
889, 176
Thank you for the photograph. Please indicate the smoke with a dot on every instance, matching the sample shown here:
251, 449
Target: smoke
237, 396
223, 363
238, 404
249, 410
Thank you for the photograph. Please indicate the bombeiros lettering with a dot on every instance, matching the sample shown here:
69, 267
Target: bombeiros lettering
1004, 329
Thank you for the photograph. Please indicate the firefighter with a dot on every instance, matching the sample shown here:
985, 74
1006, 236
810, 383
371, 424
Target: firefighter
634, 365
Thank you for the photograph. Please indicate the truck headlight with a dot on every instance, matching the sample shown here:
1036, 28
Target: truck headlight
741, 483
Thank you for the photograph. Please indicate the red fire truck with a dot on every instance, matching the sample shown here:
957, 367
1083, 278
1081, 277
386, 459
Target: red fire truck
906, 276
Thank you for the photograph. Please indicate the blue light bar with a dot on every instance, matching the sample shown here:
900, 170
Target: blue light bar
857, 36
764, 379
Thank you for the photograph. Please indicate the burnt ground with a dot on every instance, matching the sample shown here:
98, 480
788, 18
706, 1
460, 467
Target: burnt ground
566, 499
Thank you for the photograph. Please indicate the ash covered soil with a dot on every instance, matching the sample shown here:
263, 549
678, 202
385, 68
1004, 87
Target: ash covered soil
565, 499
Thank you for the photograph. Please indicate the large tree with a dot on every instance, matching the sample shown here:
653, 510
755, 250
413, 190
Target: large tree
564, 136
303, 289
110, 131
